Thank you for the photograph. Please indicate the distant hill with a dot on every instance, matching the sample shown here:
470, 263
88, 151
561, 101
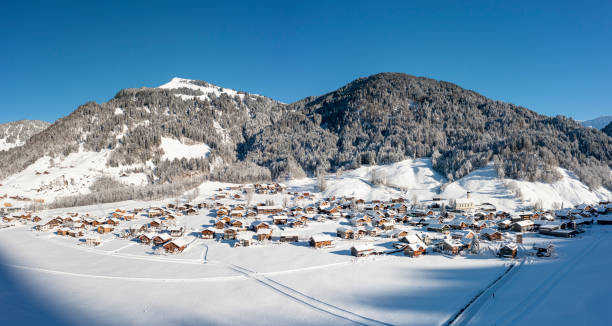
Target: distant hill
380, 119
16, 133
598, 123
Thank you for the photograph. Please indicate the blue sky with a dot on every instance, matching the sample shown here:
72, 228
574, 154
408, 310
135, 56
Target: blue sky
552, 57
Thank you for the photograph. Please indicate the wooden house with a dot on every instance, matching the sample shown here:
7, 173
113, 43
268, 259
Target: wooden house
362, 250
400, 208
230, 234
208, 233
237, 224
360, 220
414, 250
508, 250
321, 241
237, 213
359, 233
397, 233
264, 234
268, 210
220, 225
491, 234
245, 239
258, 225
176, 231
161, 238
112, 221
344, 233
176, 245
75, 233
296, 223
62, 231
104, 228
372, 231
523, 226
279, 219
155, 224
93, 241
436, 227
289, 237
451, 246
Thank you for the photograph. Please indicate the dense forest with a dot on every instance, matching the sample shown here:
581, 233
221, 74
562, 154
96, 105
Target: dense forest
380, 119
608, 129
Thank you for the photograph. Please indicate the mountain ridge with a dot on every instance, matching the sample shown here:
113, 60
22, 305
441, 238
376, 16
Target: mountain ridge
378, 119
16, 133
598, 123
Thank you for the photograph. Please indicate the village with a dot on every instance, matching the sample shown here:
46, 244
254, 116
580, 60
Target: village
247, 215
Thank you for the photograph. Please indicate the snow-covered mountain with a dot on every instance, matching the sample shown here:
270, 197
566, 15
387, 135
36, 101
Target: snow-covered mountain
188, 128
598, 123
16, 133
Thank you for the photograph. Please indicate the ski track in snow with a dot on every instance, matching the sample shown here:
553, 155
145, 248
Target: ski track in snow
514, 315
305, 299
465, 315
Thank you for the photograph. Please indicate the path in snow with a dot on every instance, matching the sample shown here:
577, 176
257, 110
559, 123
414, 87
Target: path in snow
538, 294
466, 313
305, 299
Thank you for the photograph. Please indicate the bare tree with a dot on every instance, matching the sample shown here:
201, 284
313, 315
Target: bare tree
321, 181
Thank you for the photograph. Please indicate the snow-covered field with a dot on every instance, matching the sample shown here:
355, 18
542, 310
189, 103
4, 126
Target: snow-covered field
47, 279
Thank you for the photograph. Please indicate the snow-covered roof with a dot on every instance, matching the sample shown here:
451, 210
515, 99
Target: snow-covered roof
488, 231
321, 237
363, 247
180, 242
524, 223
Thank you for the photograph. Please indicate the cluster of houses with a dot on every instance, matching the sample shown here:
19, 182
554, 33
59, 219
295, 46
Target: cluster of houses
448, 230
413, 229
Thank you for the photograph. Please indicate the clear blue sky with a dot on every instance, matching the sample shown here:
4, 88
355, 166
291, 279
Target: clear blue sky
553, 57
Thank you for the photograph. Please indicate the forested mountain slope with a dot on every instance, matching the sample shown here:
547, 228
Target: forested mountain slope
608, 129
379, 119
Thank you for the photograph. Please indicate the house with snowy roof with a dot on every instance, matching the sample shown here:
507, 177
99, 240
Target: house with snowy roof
362, 250
321, 241
176, 245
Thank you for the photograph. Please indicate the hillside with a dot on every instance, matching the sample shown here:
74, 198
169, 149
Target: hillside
13, 134
189, 128
389, 117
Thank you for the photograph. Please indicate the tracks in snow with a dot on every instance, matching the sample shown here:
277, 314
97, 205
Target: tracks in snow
127, 278
517, 313
466, 313
306, 299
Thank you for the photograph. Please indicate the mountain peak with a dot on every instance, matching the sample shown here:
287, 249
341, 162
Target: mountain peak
204, 87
